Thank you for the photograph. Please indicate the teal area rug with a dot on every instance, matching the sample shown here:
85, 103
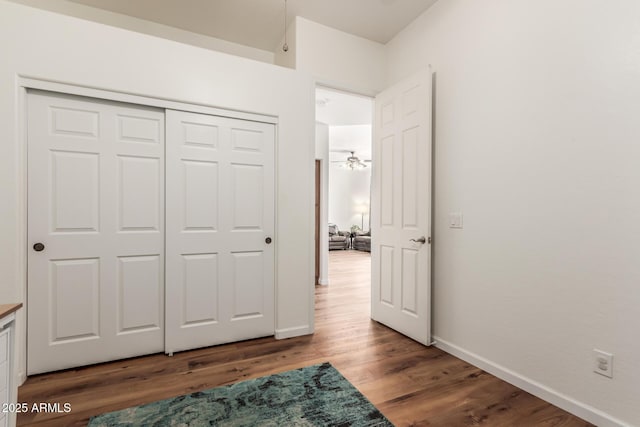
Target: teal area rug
313, 396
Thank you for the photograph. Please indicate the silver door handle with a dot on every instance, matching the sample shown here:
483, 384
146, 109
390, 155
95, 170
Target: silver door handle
420, 240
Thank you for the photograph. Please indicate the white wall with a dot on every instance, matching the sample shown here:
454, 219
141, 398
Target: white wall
147, 27
338, 59
348, 191
322, 154
55, 47
537, 143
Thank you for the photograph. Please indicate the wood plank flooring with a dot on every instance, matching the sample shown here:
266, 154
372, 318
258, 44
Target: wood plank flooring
411, 384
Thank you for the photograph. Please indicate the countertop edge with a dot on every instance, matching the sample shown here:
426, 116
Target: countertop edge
7, 309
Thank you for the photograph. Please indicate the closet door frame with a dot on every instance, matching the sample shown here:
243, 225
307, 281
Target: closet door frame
23, 84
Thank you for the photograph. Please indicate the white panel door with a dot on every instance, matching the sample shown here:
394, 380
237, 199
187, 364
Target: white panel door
401, 209
96, 204
220, 212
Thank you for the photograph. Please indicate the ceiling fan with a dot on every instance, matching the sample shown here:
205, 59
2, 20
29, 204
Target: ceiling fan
352, 162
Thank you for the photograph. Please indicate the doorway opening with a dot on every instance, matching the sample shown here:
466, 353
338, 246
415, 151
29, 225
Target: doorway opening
343, 190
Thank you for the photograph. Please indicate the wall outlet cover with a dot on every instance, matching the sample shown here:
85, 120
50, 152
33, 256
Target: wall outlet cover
603, 363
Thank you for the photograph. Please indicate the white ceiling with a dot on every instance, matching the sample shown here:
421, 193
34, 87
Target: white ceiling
349, 118
336, 108
260, 23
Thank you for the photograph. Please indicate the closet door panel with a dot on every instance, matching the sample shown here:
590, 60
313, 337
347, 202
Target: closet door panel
220, 211
96, 204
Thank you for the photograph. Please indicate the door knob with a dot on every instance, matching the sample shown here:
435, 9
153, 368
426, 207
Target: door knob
268, 240
420, 240
38, 247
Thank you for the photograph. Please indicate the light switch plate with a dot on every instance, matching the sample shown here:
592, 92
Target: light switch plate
455, 220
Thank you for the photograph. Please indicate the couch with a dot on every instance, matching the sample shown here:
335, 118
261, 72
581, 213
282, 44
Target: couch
362, 241
338, 239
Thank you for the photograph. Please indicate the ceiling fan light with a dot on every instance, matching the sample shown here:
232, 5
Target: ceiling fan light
353, 162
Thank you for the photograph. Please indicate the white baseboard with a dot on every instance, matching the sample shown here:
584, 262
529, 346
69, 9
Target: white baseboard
323, 282
560, 400
298, 331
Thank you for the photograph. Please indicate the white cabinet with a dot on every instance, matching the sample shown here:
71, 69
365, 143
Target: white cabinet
5, 374
7, 393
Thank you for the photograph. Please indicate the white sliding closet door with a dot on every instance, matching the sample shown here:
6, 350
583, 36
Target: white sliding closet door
220, 224
95, 231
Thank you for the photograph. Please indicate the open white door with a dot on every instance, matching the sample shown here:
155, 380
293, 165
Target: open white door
401, 208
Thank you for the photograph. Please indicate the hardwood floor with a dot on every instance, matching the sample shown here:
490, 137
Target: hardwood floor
411, 384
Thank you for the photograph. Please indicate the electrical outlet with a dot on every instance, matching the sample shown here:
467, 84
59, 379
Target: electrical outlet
603, 363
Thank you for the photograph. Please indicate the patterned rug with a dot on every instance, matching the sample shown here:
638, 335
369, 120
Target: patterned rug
313, 396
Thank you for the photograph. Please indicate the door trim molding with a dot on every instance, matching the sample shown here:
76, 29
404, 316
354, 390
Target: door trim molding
23, 83
132, 98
